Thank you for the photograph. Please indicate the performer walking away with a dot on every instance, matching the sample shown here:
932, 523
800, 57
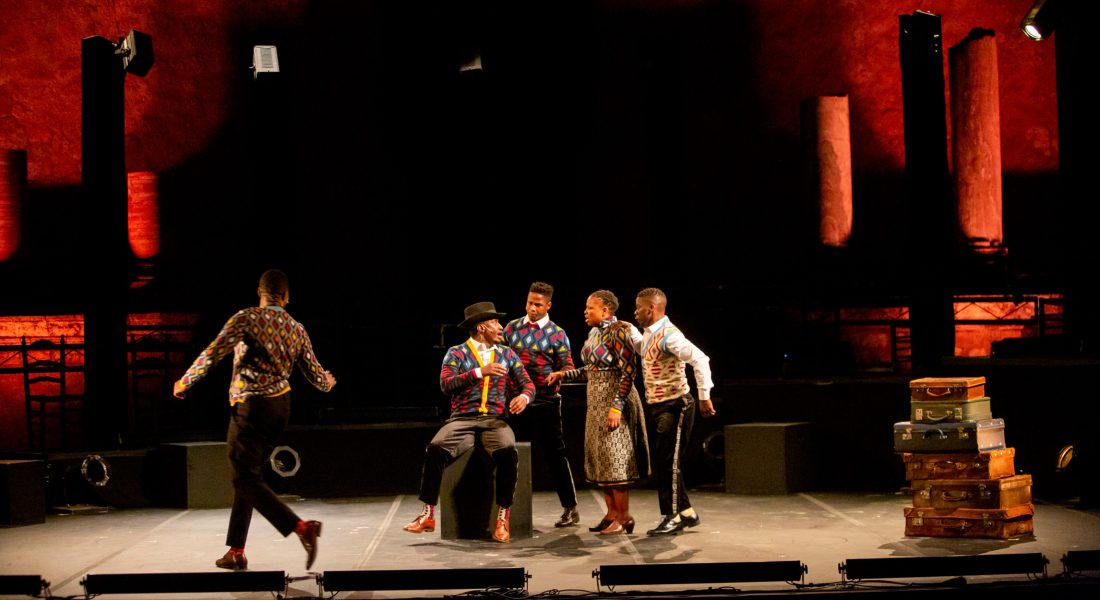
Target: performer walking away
266, 343
478, 375
543, 347
664, 351
616, 451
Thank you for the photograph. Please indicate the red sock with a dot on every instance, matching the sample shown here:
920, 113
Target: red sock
301, 527
236, 550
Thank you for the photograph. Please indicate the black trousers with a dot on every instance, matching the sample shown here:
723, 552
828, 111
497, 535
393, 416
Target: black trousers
459, 435
253, 427
540, 423
673, 420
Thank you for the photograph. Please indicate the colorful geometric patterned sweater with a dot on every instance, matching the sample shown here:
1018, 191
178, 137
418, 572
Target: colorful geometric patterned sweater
607, 350
473, 396
266, 343
665, 352
542, 350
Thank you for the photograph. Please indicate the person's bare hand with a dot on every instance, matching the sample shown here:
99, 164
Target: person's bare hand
517, 404
329, 379
554, 377
614, 418
621, 325
493, 370
706, 408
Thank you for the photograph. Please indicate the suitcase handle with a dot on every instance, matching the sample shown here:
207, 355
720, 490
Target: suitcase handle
935, 433
931, 416
953, 497
937, 392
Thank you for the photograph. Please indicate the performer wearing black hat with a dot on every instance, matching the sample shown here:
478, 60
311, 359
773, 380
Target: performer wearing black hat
478, 375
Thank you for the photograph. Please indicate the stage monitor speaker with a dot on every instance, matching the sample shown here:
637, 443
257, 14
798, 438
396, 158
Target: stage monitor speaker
195, 475
185, 583
769, 458
22, 585
467, 505
22, 492
425, 579
730, 572
943, 566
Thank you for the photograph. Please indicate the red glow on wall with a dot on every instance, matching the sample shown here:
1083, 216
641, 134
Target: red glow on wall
143, 214
13, 186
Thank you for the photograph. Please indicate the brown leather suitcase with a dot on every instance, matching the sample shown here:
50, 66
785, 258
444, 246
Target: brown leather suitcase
993, 464
996, 523
946, 388
947, 494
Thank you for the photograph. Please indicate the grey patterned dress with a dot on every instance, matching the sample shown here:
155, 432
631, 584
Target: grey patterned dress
621, 455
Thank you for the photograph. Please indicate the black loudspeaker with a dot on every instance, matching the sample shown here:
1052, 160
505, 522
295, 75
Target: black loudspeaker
467, 509
194, 475
769, 458
117, 479
22, 492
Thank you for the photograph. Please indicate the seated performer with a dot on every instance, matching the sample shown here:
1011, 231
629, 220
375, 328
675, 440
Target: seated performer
478, 375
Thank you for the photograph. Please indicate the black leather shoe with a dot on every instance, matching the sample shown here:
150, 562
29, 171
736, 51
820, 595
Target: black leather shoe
668, 526
309, 541
234, 561
569, 518
691, 521
604, 522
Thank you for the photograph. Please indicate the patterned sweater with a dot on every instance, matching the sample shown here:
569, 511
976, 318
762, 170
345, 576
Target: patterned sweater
665, 352
542, 350
266, 344
472, 395
607, 350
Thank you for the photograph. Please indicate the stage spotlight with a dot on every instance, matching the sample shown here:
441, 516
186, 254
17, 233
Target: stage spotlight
22, 585
136, 50
942, 566
424, 579
265, 60
783, 570
1076, 561
185, 583
1038, 24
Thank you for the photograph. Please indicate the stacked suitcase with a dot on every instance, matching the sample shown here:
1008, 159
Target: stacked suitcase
961, 474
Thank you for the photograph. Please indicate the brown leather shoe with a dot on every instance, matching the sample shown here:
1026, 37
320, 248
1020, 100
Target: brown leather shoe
500, 532
569, 518
309, 541
421, 524
234, 561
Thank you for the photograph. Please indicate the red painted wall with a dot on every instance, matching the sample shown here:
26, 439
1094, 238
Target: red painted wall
799, 48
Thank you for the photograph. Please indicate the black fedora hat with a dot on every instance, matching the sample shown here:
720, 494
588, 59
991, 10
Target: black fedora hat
478, 312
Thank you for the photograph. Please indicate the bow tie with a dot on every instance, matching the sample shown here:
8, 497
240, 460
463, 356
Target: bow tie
533, 325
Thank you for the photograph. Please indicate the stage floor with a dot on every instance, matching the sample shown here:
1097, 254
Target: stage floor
821, 530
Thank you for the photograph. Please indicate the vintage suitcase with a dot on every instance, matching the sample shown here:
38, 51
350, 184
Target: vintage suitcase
946, 388
976, 465
966, 436
997, 523
949, 411
947, 494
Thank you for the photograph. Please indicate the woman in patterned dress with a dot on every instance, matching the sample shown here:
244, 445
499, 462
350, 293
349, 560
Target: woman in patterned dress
616, 451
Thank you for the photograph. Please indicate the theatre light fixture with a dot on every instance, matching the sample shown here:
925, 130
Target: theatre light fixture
942, 566
22, 585
1076, 561
185, 583
424, 579
728, 572
1038, 23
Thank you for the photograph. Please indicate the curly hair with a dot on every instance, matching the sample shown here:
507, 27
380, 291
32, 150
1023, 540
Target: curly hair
274, 284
